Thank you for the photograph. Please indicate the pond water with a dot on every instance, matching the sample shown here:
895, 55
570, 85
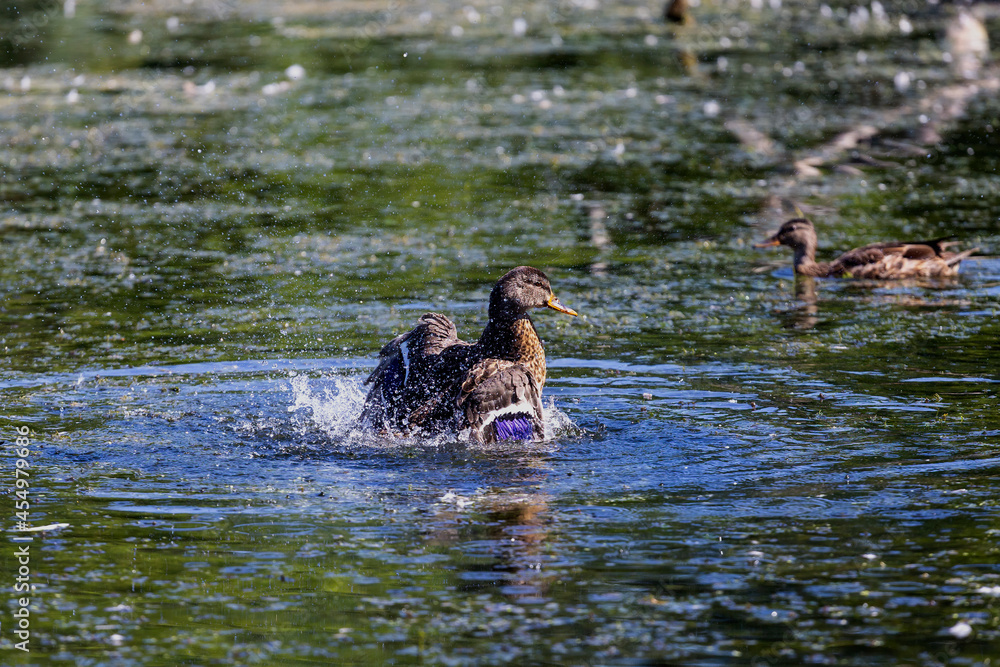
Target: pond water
203, 246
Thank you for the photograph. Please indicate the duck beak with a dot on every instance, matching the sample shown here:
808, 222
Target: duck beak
772, 241
554, 304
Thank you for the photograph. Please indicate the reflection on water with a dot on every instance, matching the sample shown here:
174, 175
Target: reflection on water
805, 316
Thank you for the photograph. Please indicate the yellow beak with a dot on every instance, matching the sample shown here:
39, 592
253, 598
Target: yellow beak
768, 243
554, 304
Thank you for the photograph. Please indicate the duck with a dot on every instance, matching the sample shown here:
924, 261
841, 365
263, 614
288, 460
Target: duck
428, 380
877, 261
677, 11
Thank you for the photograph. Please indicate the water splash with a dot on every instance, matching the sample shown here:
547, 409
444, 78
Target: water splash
332, 403
330, 406
557, 423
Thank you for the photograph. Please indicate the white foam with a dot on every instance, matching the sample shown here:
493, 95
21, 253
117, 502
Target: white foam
331, 403
557, 422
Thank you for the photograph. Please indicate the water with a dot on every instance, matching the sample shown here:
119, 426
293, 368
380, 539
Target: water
200, 257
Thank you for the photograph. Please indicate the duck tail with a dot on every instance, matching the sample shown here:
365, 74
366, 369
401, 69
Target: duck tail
959, 256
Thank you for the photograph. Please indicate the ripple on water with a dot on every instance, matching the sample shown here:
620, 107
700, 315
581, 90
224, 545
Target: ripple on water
733, 494
600, 514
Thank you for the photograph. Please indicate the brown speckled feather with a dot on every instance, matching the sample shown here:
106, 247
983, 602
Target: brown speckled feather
893, 264
877, 261
496, 387
528, 349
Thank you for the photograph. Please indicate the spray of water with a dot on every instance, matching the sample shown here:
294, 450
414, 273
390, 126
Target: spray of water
331, 405
557, 423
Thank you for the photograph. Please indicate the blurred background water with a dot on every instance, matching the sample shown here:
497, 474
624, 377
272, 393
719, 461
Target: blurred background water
215, 213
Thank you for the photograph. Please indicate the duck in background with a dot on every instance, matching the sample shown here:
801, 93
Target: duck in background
877, 261
428, 379
677, 11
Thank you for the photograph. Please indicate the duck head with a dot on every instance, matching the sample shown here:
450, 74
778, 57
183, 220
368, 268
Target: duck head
520, 290
798, 234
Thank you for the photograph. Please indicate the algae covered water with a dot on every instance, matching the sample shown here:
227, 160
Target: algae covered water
215, 214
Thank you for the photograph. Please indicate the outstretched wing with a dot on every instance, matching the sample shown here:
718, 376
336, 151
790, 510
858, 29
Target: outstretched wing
501, 400
434, 332
406, 378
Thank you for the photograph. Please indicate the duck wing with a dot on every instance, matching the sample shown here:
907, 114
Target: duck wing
434, 332
870, 254
914, 249
501, 400
412, 374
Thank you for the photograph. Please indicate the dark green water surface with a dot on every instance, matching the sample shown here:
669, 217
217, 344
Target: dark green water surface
201, 253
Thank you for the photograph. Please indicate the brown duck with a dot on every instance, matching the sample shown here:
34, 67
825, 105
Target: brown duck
878, 261
427, 379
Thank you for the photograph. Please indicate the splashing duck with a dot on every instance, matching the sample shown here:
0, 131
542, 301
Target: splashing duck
428, 379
